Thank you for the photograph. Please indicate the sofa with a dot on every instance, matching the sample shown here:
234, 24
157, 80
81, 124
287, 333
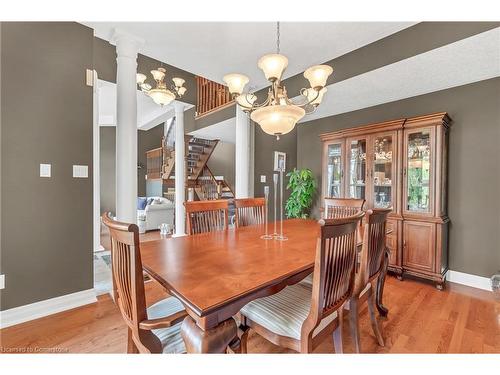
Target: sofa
156, 211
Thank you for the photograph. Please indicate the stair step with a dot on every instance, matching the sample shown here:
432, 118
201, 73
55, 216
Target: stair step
193, 150
199, 144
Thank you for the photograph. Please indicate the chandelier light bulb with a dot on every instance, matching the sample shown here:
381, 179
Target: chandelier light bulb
140, 78
317, 75
158, 74
278, 119
273, 66
314, 97
236, 82
160, 94
161, 97
181, 90
178, 82
246, 100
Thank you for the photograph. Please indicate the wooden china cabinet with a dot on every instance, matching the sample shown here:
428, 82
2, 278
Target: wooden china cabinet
400, 164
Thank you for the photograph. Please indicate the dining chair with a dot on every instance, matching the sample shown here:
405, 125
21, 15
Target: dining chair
341, 207
207, 216
371, 266
337, 208
155, 329
300, 316
250, 211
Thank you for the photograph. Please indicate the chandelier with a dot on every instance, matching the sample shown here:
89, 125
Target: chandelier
160, 94
278, 114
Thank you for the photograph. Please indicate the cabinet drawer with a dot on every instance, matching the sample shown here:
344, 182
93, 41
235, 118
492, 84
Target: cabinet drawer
419, 250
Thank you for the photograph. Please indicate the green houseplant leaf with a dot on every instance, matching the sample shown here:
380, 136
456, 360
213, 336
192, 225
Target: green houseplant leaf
303, 188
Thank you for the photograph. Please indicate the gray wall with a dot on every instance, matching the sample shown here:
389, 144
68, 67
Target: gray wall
146, 140
474, 164
46, 117
222, 162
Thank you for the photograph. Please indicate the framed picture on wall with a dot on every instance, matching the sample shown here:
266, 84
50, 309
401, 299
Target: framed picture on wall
279, 161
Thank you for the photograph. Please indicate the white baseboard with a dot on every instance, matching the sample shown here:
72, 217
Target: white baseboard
50, 306
474, 281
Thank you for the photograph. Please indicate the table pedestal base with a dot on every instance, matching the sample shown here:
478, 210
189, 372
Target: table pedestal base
213, 340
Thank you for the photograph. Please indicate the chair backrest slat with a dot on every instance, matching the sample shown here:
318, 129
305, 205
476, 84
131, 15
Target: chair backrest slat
342, 207
128, 281
334, 270
206, 216
250, 211
127, 270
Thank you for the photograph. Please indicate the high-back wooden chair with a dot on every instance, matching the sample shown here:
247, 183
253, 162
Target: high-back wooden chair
206, 216
301, 316
250, 211
371, 266
150, 330
342, 207
337, 208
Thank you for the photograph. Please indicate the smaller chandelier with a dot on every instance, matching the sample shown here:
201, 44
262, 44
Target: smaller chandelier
278, 114
160, 94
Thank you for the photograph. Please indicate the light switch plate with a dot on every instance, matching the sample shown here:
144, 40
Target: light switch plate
2, 281
80, 171
89, 77
45, 170
263, 178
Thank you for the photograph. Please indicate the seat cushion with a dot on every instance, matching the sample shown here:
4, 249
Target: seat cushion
170, 338
308, 280
284, 313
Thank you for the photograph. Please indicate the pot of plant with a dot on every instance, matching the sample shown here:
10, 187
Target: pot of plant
302, 185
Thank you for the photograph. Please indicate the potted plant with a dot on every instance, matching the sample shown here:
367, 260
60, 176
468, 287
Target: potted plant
303, 188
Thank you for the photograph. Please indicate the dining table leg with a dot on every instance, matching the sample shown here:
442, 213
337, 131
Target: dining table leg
211, 340
383, 311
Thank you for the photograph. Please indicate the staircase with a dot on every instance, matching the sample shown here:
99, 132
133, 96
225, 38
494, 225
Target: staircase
198, 175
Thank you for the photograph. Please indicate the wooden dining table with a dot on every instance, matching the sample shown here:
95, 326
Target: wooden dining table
215, 274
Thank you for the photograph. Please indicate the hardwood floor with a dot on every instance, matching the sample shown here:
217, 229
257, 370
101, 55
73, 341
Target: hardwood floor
421, 320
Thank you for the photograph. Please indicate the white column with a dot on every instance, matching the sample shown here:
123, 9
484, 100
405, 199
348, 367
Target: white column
127, 47
242, 154
180, 171
96, 169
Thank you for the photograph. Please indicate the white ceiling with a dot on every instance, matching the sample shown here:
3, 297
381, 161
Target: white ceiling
213, 49
224, 131
468, 60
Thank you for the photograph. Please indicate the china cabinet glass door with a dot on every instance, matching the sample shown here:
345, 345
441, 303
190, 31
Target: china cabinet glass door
418, 186
356, 182
334, 181
383, 172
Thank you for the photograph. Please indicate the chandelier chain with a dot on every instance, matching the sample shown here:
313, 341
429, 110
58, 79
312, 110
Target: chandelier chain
277, 37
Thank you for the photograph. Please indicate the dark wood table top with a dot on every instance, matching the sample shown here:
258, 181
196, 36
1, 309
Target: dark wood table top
211, 270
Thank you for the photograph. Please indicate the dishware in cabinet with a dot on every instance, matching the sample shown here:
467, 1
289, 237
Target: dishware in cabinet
333, 176
356, 168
